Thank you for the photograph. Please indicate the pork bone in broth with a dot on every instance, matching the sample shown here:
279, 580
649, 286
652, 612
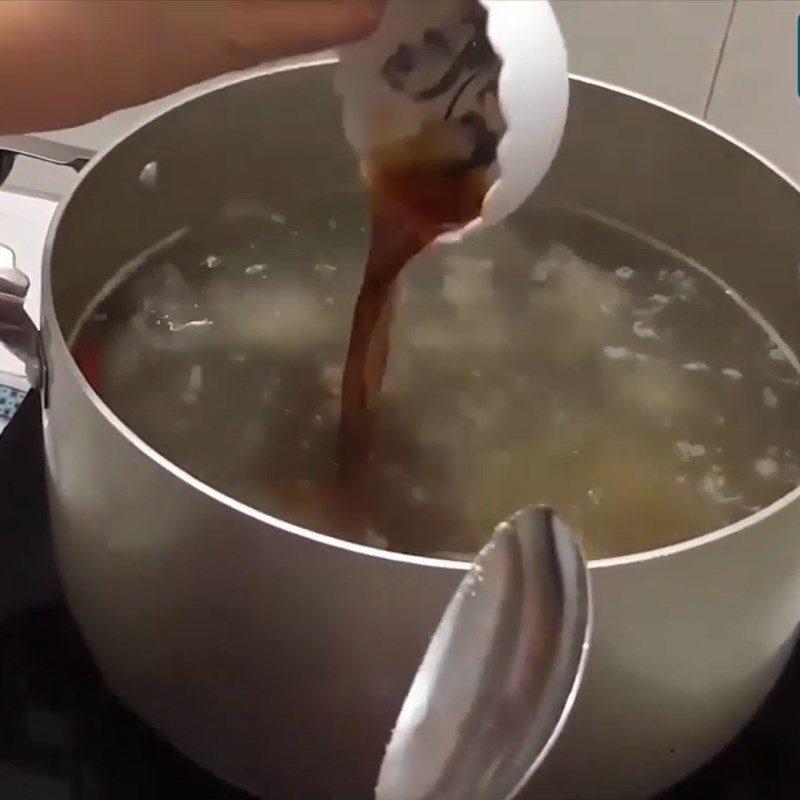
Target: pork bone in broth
566, 362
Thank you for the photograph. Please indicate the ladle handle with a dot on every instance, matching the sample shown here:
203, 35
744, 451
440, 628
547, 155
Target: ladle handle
18, 332
56, 153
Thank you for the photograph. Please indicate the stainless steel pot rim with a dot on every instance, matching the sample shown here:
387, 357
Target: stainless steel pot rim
48, 307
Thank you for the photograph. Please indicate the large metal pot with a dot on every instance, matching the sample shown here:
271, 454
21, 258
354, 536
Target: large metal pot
278, 657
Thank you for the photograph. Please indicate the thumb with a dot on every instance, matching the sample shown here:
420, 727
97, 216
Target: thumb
277, 28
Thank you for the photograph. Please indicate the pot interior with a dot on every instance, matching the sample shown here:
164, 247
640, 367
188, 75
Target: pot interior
604, 351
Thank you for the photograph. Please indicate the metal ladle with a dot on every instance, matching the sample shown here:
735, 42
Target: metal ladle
501, 673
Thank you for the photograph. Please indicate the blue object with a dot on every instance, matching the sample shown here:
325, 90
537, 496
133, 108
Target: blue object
10, 401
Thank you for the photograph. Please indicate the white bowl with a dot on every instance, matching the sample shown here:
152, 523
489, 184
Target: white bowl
380, 80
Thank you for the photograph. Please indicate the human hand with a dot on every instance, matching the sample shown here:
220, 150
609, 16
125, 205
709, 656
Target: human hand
68, 61
260, 29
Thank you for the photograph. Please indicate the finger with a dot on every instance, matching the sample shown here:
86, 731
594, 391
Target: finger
277, 28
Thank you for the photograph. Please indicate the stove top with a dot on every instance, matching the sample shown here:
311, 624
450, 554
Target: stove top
63, 736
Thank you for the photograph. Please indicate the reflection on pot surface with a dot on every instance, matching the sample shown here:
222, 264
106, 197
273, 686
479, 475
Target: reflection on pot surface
565, 362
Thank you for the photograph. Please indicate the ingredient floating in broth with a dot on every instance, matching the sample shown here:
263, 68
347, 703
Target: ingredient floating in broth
555, 359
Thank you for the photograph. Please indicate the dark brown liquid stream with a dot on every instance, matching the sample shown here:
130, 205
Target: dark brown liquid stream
415, 196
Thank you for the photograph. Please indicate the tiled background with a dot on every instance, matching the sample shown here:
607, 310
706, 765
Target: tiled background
12, 392
731, 61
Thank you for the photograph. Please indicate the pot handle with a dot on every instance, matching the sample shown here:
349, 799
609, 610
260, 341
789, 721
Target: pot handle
62, 155
17, 330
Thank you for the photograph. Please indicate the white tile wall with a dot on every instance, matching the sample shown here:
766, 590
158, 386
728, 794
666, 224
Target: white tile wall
756, 97
667, 49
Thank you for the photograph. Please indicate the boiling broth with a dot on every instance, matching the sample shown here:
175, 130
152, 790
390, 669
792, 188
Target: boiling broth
565, 362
